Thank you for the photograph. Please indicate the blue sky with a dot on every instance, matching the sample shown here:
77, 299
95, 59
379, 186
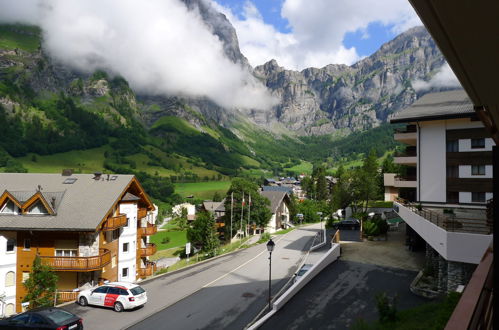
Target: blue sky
303, 33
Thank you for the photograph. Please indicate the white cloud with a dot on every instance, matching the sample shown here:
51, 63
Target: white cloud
444, 78
317, 30
159, 46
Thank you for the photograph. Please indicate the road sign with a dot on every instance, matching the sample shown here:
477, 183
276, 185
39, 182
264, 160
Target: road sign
188, 248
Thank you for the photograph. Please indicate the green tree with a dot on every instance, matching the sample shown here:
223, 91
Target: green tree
217, 197
203, 233
258, 211
342, 193
321, 186
41, 285
369, 177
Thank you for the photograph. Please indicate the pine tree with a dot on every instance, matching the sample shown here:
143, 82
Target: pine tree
41, 285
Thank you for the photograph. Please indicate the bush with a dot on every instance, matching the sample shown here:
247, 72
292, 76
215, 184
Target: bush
386, 307
165, 240
370, 228
265, 237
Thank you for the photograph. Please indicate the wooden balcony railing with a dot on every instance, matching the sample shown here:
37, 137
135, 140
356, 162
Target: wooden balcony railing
115, 222
149, 269
141, 213
148, 230
79, 264
65, 296
148, 250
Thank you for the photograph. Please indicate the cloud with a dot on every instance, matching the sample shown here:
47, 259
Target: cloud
317, 30
159, 46
444, 78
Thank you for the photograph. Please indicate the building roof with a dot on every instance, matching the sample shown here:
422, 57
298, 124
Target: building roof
79, 206
287, 189
275, 198
434, 106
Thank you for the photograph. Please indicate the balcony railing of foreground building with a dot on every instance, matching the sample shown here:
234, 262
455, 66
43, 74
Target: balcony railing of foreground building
148, 270
407, 135
449, 222
148, 230
115, 222
475, 307
406, 129
80, 264
148, 250
405, 181
141, 213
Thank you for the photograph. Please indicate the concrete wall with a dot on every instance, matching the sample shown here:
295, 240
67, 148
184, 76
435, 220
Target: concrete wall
465, 145
7, 268
465, 172
432, 166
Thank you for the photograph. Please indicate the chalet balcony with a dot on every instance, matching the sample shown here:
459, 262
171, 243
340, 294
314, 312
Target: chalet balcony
115, 222
148, 250
148, 230
66, 296
407, 135
78, 264
148, 270
141, 213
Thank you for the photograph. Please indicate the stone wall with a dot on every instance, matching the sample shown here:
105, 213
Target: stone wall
88, 245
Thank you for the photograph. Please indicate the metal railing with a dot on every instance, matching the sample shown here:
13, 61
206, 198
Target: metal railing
82, 264
115, 222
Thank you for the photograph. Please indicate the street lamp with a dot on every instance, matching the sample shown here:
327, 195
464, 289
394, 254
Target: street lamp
270, 248
320, 218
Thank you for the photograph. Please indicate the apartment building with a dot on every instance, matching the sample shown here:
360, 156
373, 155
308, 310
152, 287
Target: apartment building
88, 227
444, 193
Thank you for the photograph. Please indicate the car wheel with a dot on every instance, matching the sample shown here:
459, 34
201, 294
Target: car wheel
83, 301
118, 307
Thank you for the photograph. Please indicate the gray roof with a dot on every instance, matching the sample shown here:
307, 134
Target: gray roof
79, 206
287, 189
275, 198
433, 106
212, 206
130, 198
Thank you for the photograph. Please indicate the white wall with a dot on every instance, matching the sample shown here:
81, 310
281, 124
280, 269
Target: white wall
7, 264
465, 172
465, 145
432, 166
128, 235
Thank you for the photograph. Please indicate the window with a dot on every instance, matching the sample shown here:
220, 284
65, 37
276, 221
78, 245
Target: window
11, 245
10, 279
477, 143
478, 197
113, 262
65, 253
9, 207
21, 319
116, 234
477, 169
453, 146
27, 244
25, 276
37, 320
9, 309
37, 208
124, 272
452, 171
101, 289
452, 197
123, 292
113, 290
125, 247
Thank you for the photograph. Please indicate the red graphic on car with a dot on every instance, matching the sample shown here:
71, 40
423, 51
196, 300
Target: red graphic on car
110, 299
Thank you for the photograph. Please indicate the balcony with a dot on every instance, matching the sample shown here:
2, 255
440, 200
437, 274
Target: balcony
148, 230
115, 222
454, 237
409, 157
141, 213
78, 264
405, 182
407, 135
149, 269
148, 250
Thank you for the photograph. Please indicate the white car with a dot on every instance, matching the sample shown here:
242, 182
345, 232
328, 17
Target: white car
302, 272
117, 295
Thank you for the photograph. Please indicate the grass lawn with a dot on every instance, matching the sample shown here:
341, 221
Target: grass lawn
177, 238
284, 231
303, 167
202, 190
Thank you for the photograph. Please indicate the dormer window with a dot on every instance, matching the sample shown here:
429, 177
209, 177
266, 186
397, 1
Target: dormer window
37, 208
9, 208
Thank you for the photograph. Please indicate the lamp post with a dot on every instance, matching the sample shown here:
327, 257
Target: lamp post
320, 218
270, 248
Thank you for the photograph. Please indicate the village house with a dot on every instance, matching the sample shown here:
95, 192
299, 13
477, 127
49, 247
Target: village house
88, 228
190, 208
279, 206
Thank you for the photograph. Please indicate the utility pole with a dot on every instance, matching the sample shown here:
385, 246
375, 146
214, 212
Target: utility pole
231, 213
242, 211
249, 212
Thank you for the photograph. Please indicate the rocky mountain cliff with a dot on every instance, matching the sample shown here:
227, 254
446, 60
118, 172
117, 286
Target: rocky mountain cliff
361, 96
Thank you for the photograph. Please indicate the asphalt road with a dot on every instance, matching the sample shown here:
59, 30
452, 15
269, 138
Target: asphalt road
226, 293
342, 293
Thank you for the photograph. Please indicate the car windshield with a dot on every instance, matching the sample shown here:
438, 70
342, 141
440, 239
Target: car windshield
137, 290
58, 316
301, 272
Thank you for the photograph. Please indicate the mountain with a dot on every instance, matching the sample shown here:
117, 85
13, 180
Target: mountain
357, 97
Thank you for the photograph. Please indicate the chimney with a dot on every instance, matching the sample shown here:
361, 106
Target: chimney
39, 188
52, 202
67, 172
97, 176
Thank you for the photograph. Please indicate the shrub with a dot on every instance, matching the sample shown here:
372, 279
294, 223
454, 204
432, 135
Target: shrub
386, 307
370, 228
165, 240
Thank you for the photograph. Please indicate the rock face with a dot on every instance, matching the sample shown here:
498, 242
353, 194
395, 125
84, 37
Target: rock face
357, 97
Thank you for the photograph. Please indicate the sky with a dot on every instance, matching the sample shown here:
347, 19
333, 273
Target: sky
314, 33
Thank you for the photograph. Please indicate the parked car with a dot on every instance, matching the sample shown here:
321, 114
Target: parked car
43, 318
117, 295
302, 272
347, 224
